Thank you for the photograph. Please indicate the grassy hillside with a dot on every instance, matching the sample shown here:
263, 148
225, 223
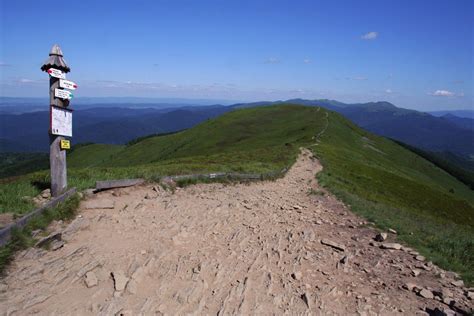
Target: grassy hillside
459, 167
91, 155
14, 164
394, 187
381, 180
252, 140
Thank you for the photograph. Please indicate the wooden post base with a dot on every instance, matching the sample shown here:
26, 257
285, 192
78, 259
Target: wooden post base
57, 162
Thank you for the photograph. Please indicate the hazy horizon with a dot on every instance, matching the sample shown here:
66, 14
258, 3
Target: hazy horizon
90, 100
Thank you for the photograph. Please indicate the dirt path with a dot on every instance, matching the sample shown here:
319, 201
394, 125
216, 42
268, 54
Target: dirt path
258, 248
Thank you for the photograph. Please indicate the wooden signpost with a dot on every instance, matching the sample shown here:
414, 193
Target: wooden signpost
60, 118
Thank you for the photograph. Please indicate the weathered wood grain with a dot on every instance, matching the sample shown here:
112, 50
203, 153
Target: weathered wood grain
57, 163
110, 184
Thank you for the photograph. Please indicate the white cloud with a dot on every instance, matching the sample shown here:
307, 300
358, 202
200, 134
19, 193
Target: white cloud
388, 91
442, 93
357, 78
272, 60
370, 36
307, 61
24, 80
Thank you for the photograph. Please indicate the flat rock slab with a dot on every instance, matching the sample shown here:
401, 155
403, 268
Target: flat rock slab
98, 204
333, 244
90, 279
46, 240
120, 280
426, 293
390, 245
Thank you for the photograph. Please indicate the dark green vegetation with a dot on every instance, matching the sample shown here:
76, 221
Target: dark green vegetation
381, 180
457, 166
21, 238
14, 164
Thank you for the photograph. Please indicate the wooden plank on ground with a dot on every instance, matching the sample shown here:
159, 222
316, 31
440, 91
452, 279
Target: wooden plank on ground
111, 184
5, 233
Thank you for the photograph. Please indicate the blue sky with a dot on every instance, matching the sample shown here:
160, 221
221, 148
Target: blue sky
416, 54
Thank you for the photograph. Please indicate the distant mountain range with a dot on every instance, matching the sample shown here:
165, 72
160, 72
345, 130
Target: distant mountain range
458, 113
119, 124
13, 105
28, 132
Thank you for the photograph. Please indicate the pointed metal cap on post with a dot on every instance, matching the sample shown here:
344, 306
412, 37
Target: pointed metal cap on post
56, 60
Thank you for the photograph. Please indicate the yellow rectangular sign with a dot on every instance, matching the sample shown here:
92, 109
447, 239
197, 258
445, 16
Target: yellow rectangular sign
65, 144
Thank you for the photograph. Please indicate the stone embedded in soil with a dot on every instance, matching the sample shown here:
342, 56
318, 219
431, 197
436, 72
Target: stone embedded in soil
410, 286
415, 272
297, 275
393, 231
99, 204
344, 260
381, 237
46, 194
132, 287
90, 279
446, 293
394, 246
305, 297
470, 295
57, 244
445, 311
420, 258
120, 280
88, 192
50, 238
423, 267
426, 293
458, 283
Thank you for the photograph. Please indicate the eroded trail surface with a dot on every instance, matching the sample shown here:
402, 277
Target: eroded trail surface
260, 248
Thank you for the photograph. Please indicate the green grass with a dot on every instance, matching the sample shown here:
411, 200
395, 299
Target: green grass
21, 238
262, 140
15, 164
91, 155
381, 180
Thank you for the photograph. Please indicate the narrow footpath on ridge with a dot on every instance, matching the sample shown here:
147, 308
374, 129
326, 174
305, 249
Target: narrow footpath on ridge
270, 247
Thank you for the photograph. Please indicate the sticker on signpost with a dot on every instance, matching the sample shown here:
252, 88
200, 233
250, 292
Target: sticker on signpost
65, 144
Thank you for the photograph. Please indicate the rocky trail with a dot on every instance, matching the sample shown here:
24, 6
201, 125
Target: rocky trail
259, 248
